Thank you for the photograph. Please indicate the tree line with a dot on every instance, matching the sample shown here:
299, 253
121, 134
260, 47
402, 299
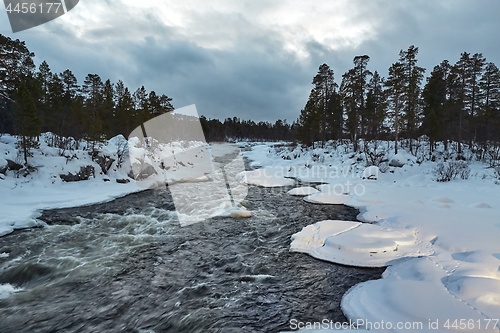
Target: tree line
37, 100
235, 129
458, 102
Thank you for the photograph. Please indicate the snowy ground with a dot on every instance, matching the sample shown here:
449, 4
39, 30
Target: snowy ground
440, 241
23, 196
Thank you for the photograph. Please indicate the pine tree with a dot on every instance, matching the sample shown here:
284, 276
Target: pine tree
335, 116
72, 118
16, 65
108, 108
310, 119
316, 118
141, 103
434, 99
353, 91
93, 93
375, 106
413, 76
44, 76
477, 63
489, 96
325, 87
395, 90
28, 121
124, 109
165, 104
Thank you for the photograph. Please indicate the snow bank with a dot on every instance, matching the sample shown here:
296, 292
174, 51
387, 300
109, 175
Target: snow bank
327, 198
440, 240
24, 194
302, 191
267, 177
358, 244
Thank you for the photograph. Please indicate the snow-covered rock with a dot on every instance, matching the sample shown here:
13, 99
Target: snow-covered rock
301, 191
396, 163
327, 198
267, 177
85, 173
371, 173
14, 166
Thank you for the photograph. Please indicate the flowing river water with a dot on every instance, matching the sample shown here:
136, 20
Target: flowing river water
128, 266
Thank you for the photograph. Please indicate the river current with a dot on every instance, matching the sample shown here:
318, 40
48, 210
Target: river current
128, 266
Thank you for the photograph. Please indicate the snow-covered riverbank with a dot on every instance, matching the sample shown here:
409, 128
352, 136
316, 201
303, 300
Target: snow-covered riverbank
440, 240
25, 192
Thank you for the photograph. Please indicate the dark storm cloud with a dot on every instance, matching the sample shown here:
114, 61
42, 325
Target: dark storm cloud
441, 30
247, 84
255, 60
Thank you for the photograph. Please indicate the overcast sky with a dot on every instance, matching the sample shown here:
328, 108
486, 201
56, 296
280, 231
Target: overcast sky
254, 59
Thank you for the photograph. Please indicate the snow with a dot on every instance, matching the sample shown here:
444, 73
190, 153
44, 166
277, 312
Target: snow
440, 241
3, 163
327, 198
267, 177
371, 173
200, 186
23, 197
302, 191
358, 244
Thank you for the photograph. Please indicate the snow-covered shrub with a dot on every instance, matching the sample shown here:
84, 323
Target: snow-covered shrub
446, 171
317, 157
375, 156
121, 152
288, 152
492, 155
497, 175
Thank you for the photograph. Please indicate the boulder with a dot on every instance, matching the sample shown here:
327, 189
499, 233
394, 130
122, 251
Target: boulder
123, 181
396, 163
84, 174
13, 165
4, 166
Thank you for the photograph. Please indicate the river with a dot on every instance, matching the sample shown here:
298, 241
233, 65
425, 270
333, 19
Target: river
128, 266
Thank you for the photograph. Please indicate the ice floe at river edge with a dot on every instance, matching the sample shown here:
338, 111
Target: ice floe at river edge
440, 241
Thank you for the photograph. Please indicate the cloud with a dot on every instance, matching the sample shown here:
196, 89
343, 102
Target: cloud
254, 59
